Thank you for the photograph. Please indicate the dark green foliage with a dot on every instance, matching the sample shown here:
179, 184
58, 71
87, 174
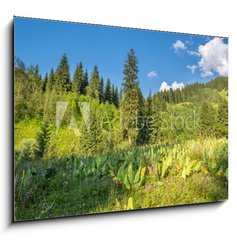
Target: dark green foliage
78, 78
45, 82
91, 132
42, 140
62, 76
156, 119
102, 90
94, 85
222, 120
51, 81
130, 107
108, 92
85, 83
207, 120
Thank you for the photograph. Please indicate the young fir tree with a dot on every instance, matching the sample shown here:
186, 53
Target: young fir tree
101, 89
130, 107
78, 78
156, 119
51, 81
94, 85
116, 98
207, 120
85, 83
45, 82
91, 132
63, 83
222, 120
108, 94
113, 94
148, 117
42, 140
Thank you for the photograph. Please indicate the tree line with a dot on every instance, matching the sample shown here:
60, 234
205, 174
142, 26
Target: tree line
130, 117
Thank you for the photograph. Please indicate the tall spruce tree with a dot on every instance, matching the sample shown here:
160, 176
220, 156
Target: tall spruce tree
42, 140
51, 81
85, 83
63, 83
130, 107
45, 82
207, 120
222, 120
116, 98
108, 93
78, 78
156, 119
94, 85
101, 89
91, 138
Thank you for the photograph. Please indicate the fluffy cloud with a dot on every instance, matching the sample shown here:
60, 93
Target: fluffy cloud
176, 85
193, 53
165, 86
152, 74
192, 68
214, 58
178, 45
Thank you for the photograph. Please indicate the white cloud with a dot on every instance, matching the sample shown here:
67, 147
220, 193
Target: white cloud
165, 86
192, 68
152, 74
214, 58
178, 45
193, 53
176, 85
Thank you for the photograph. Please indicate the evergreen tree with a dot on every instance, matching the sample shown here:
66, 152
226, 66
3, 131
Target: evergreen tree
91, 138
51, 81
85, 83
222, 120
45, 82
156, 119
101, 89
42, 140
148, 117
207, 120
78, 78
131, 99
94, 85
116, 98
108, 93
63, 83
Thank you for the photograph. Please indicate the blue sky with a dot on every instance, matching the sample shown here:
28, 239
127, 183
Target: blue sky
162, 56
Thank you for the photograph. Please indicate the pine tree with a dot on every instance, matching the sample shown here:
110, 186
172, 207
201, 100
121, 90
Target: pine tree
116, 98
156, 120
222, 120
51, 81
94, 85
78, 78
45, 82
85, 83
63, 83
101, 89
42, 140
91, 138
207, 120
131, 99
108, 93
148, 117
